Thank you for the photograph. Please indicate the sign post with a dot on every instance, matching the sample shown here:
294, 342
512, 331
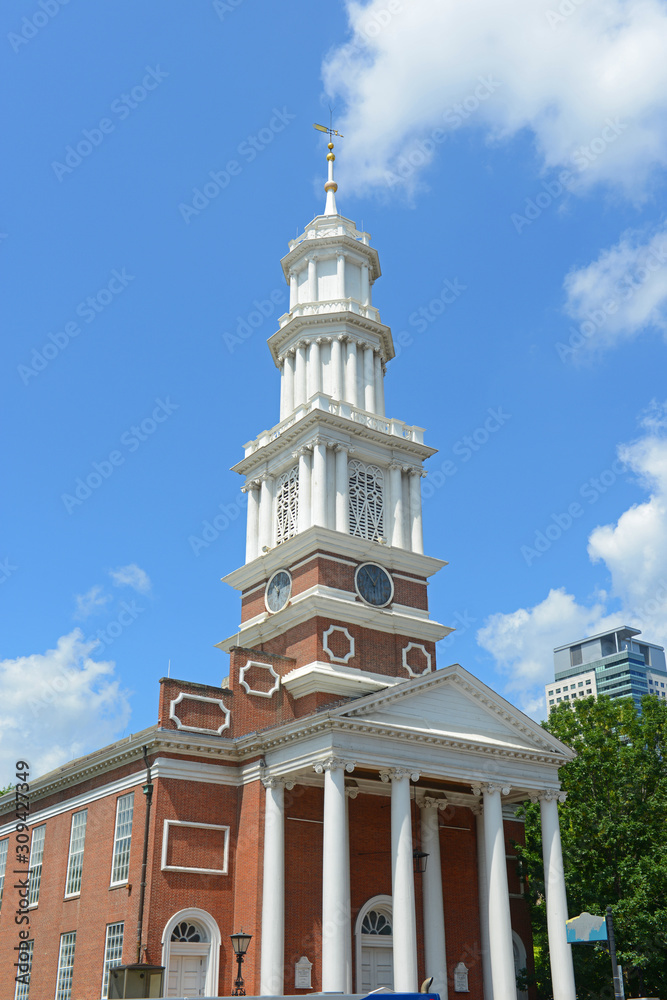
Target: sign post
619, 991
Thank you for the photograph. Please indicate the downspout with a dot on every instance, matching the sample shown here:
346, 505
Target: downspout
148, 792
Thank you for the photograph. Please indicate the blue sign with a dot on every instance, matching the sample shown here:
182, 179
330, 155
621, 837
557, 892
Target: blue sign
586, 928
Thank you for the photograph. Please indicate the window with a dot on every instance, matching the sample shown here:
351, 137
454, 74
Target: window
120, 867
608, 644
366, 490
551, 701
581, 684
113, 953
557, 690
65, 966
75, 862
287, 505
559, 699
644, 651
551, 692
575, 656
589, 681
566, 697
3, 865
36, 855
23, 988
376, 922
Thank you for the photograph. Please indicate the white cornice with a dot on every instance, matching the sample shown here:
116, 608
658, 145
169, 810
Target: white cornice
333, 678
265, 627
345, 321
309, 543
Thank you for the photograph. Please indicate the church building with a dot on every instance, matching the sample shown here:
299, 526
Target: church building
338, 798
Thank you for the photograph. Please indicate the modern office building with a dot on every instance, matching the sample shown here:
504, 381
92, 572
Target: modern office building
612, 663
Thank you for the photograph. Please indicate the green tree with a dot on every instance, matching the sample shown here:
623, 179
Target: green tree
614, 834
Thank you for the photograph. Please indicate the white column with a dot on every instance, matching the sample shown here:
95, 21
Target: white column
265, 512
416, 527
402, 881
342, 491
340, 275
300, 385
314, 375
303, 454
483, 887
365, 286
272, 960
335, 876
435, 952
337, 370
312, 281
501, 947
319, 488
293, 290
396, 500
288, 380
252, 523
379, 386
350, 793
369, 379
351, 373
560, 952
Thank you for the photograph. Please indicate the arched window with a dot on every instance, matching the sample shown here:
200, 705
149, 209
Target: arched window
188, 932
374, 945
366, 492
191, 953
287, 505
376, 922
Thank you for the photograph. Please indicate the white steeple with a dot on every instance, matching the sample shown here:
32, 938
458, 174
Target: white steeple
334, 461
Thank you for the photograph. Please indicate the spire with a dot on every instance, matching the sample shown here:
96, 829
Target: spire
331, 187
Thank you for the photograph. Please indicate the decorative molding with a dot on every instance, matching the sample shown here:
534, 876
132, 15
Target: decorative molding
321, 677
264, 666
429, 802
352, 792
427, 655
329, 652
334, 764
274, 781
181, 868
398, 774
183, 696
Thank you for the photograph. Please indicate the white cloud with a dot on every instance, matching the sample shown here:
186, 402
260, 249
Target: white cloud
90, 602
131, 576
563, 78
634, 552
58, 705
622, 292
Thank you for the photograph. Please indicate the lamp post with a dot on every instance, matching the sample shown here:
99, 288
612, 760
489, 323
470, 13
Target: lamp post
240, 942
419, 860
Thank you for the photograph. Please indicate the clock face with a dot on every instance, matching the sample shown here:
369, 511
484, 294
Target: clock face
278, 590
374, 584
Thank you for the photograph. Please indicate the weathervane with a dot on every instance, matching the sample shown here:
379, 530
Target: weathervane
330, 187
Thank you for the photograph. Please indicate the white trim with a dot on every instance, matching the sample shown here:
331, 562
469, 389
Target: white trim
404, 658
198, 729
381, 902
265, 666
329, 652
325, 678
253, 590
321, 555
213, 952
185, 868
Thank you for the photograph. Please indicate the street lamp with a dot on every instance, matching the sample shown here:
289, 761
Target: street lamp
419, 860
240, 944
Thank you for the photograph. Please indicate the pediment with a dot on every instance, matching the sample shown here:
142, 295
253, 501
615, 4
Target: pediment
451, 704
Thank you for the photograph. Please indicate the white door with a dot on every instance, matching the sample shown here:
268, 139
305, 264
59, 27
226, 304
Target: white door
377, 968
187, 976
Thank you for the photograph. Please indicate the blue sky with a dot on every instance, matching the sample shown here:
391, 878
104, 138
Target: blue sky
523, 164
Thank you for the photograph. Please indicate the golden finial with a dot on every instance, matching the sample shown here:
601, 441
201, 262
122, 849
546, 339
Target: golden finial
330, 187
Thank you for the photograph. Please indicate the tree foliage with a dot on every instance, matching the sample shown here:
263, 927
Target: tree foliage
614, 835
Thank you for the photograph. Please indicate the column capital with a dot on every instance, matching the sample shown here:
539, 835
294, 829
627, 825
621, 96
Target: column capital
548, 795
490, 788
340, 447
281, 360
290, 352
352, 792
396, 465
276, 780
251, 484
397, 774
334, 764
265, 477
428, 802
305, 449
323, 340
302, 344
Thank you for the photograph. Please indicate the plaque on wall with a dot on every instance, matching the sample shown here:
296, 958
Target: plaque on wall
461, 978
302, 970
